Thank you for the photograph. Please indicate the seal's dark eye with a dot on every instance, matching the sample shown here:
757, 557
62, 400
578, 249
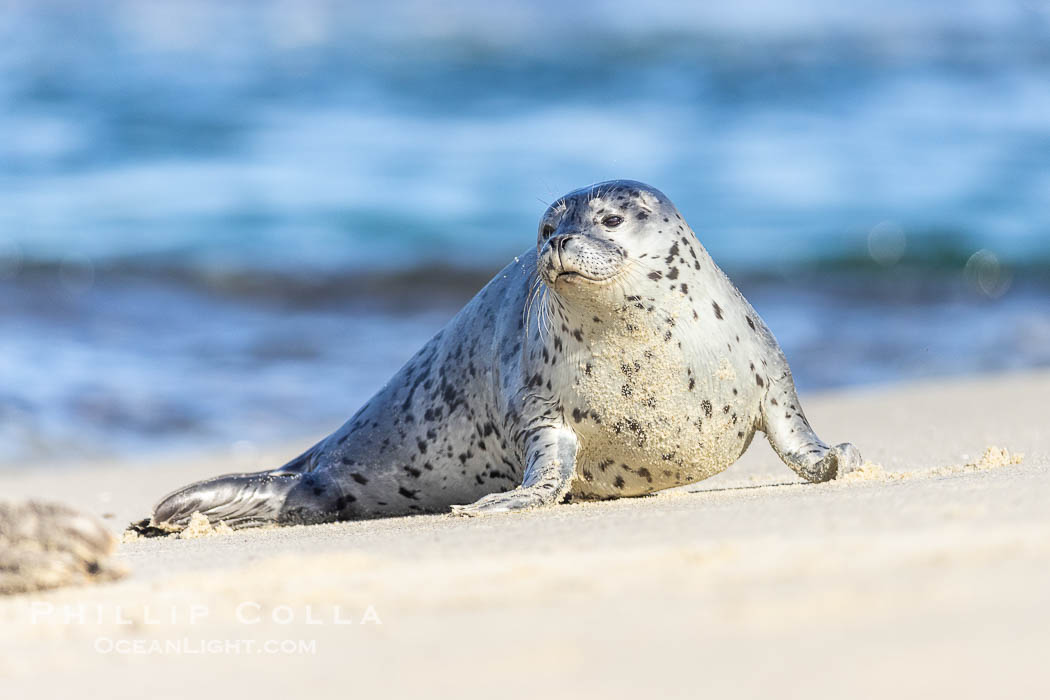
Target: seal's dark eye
547, 231
612, 221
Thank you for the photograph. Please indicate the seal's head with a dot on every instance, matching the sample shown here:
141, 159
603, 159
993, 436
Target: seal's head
599, 235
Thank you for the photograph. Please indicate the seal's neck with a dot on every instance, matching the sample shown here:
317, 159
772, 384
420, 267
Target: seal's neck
569, 325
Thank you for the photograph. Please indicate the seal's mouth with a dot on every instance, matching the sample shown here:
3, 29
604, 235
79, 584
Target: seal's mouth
575, 277
569, 276
576, 260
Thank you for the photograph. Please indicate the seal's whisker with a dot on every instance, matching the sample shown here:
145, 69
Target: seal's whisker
545, 312
536, 290
636, 274
550, 319
530, 297
552, 299
644, 265
596, 193
533, 288
525, 309
536, 296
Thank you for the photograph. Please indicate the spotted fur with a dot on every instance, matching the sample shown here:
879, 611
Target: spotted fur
612, 359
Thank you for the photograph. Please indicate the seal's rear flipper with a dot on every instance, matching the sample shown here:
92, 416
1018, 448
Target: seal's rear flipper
291, 494
239, 500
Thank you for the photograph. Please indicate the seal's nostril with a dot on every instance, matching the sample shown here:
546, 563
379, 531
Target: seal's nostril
559, 242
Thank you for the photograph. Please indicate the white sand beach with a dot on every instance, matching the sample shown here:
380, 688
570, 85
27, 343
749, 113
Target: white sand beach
927, 578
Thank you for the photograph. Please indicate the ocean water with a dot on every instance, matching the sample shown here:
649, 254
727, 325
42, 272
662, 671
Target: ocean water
223, 224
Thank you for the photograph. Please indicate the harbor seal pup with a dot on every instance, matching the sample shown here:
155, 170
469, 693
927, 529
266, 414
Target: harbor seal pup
612, 359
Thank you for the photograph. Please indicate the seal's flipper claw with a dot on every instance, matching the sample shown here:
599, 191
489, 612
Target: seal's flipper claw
239, 500
841, 460
516, 499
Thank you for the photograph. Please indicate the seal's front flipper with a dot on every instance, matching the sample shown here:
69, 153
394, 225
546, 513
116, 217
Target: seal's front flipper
550, 464
793, 439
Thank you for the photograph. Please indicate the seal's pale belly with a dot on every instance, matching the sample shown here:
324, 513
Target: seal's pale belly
651, 414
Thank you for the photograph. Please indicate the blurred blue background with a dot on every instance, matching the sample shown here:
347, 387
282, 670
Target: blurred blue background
225, 223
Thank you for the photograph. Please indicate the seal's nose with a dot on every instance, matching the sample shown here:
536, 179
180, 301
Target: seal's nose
558, 244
